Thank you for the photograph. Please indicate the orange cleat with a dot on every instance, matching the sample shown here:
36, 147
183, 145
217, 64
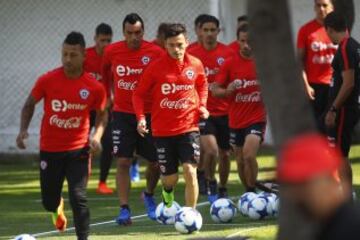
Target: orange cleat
104, 189
59, 218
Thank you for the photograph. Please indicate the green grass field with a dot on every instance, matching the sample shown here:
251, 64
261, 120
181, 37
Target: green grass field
21, 210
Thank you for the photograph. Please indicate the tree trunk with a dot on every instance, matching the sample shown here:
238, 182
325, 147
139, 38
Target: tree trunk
284, 95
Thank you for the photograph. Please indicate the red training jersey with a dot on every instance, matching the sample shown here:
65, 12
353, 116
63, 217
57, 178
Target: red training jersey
212, 61
92, 63
177, 91
67, 104
192, 45
319, 52
122, 68
235, 46
246, 106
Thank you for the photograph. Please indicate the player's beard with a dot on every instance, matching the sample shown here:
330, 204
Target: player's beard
246, 52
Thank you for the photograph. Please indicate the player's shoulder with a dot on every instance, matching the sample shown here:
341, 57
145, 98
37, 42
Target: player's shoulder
225, 48
194, 49
90, 50
115, 47
194, 60
91, 82
150, 46
54, 73
309, 27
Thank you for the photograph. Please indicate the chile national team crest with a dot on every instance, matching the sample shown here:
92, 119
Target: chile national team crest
220, 60
145, 60
190, 74
84, 93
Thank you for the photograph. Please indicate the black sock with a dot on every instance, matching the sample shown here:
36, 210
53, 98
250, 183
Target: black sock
250, 189
169, 190
148, 194
125, 206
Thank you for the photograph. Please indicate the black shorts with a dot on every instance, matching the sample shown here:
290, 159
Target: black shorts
219, 127
320, 103
237, 136
184, 148
126, 139
341, 135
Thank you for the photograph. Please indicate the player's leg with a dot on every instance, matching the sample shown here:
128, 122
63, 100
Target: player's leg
77, 172
105, 160
200, 170
135, 170
52, 175
124, 142
188, 150
237, 139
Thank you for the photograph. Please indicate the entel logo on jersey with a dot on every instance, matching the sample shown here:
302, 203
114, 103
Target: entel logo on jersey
63, 106
84, 93
145, 60
122, 70
167, 88
244, 83
209, 71
220, 60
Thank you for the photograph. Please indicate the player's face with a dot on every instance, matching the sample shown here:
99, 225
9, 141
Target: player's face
72, 57
133, 34
102, 40
245, 48
323, 8
176, 46
209, 32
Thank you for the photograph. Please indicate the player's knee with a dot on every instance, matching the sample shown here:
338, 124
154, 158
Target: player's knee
248, 157
211, 152
123, 163
77, 199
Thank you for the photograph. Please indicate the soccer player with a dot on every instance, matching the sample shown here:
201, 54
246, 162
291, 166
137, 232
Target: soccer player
247, 118
316, 52
214, 131
343, 106
178, 91
69, 95
160, 35
92, 64
197, 22
240, 22
123, 65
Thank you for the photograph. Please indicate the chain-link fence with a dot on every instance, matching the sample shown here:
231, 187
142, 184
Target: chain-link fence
32, 32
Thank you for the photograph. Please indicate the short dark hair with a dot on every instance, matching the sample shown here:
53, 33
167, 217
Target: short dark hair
209, 19
75, 38
162, 28
199, 19
243, 18
244, 28
335, 21
133, 18
104, 29
174, 29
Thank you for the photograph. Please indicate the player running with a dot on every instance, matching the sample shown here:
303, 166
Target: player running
178, 91
69, 95
197, 22
214, 131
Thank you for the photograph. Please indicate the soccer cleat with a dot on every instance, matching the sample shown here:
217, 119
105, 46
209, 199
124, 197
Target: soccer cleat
212, 191
124, 217
134, 172
222, 192
150, 205
58, 217
168, 197
104, 189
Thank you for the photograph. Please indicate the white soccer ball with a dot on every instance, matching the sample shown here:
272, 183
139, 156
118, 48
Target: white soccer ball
188, 220
244, 202
222, 210
270, 198
165, 215
276, 206
257, 208
24, 237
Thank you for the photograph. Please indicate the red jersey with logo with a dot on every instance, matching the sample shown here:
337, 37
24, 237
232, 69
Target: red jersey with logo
93, 63
122, 68
192, 45
212, 61
319, 52
67, 104
235, 46
177, 91
246, 106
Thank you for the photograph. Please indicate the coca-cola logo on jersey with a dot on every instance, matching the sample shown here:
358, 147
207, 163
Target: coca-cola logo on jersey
244, 83
323, 59
126, 85
167, 88
321, 46
209, 71
252, 97
182, 103
122, 70
73, 122
63, 106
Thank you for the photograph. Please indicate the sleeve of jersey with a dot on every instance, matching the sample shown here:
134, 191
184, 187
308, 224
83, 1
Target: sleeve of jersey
100, 102
202, 86
140, 93
347, 56
301, 39
38, 91
106, 73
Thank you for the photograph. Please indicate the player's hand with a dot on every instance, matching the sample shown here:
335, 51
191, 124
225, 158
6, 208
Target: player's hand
310, 92
95, 146
20, 139
230, 88
204, 113
330, 119
141, 127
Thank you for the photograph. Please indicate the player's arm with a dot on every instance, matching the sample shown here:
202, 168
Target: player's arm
218, 88
107, 77
301, 59
201, 86
27, 113
142, 89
